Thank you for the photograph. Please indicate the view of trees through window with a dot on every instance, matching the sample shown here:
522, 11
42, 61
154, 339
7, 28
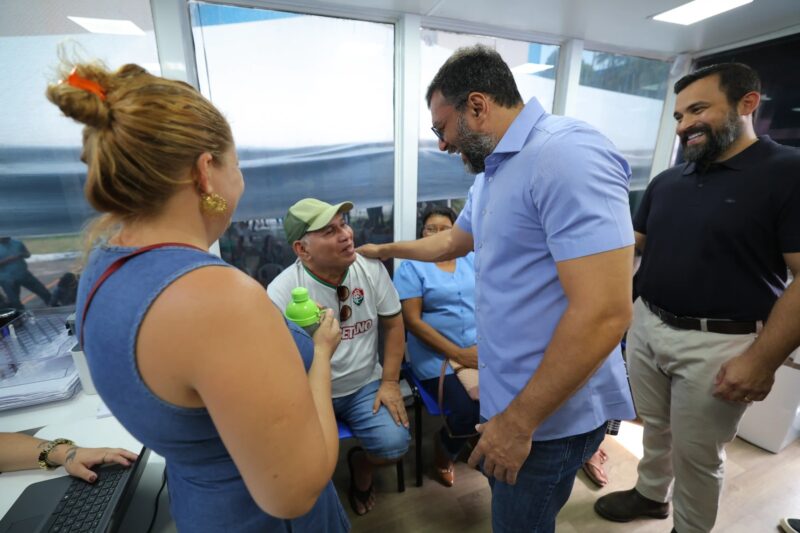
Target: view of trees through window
625, 74
614, 88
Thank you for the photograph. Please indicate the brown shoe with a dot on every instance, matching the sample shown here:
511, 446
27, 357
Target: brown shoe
442, 464
627, 505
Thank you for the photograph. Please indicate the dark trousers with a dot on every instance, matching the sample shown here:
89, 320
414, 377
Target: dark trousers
464, 412
29, 281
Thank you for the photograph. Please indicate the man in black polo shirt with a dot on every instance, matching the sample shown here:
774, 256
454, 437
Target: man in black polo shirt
720, 232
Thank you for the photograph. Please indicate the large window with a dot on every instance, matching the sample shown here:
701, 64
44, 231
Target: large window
623, 97
442, 178
310, 101
41, 177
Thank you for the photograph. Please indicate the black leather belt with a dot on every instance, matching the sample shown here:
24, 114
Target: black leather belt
729, 327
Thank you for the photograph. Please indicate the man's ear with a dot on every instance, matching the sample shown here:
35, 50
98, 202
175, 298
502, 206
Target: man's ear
201, 172
477, 105
300, 249
748, 103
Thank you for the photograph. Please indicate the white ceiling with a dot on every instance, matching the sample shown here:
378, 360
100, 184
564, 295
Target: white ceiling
607, 24
613, 25
48, 17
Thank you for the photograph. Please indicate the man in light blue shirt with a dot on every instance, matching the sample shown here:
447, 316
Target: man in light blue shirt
549, 221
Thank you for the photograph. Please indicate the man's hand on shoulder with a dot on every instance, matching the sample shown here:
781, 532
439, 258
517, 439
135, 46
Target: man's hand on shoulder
373, 251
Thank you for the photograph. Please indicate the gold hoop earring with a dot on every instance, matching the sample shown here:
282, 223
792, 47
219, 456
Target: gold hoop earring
213, 204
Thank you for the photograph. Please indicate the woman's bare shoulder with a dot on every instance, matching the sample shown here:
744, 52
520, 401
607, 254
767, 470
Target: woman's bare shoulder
215, 297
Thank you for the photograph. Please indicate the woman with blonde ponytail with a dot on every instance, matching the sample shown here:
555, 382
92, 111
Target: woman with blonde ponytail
188, 353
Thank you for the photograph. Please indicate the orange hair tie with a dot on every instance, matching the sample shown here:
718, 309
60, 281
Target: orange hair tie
79, 82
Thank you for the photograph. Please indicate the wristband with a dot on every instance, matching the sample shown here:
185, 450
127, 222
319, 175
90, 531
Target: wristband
43, 462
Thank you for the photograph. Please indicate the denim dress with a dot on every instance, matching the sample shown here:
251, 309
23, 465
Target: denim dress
207, 493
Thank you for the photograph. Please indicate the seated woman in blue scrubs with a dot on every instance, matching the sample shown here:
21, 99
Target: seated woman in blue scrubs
439, 314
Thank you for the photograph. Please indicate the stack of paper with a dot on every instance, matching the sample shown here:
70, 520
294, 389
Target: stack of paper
35, 361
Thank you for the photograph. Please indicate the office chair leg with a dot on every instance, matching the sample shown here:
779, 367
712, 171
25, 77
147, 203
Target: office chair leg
401, 477
418, 437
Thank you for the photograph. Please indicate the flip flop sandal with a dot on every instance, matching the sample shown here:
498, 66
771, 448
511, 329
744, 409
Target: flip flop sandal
603, 456
592, 471
354, 494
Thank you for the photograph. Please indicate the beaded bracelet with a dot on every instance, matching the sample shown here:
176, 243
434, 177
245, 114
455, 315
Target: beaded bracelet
44, 464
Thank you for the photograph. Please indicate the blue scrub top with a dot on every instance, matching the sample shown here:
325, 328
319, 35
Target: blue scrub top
448, 306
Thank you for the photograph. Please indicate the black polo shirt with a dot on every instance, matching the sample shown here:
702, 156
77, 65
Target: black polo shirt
715, 238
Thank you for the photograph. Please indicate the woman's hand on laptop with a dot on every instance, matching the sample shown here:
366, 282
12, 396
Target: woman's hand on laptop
79, 461
19, 451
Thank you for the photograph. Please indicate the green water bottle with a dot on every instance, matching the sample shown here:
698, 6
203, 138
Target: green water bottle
303, 311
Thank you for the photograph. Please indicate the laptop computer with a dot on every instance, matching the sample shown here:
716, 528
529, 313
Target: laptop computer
67, 504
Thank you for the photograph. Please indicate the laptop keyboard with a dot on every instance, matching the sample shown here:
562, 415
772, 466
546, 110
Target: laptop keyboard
82, 507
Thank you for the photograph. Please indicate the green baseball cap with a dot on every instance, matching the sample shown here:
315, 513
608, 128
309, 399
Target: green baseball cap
310, 214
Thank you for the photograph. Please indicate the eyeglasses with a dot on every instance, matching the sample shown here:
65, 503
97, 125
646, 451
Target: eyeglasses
432, 228
345, 312
439, 133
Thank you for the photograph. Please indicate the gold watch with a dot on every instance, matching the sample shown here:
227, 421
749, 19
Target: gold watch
44, 464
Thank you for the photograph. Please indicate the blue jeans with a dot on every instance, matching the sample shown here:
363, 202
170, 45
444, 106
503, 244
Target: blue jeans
378, 433
544, 484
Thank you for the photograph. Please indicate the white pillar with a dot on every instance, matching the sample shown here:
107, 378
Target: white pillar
568, 77
406, 126
173, 31
665, 142
175, 44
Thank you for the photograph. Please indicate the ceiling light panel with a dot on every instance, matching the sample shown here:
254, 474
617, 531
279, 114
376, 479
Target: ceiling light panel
698, 10
112, 26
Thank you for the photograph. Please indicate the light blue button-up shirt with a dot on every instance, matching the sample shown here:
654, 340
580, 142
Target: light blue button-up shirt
448, 306
554, 189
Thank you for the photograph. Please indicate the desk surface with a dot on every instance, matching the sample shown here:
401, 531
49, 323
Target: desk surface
76, 419
81, 405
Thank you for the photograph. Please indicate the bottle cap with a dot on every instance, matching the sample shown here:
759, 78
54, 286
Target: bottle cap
302, 310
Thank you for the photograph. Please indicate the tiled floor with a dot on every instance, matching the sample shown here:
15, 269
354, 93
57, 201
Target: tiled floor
760, 488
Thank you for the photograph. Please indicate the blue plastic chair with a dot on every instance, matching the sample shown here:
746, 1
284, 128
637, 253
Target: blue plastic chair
344, 430
346, 433
421, 397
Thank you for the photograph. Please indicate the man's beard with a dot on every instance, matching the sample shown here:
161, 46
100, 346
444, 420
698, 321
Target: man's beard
474, 146
716, 142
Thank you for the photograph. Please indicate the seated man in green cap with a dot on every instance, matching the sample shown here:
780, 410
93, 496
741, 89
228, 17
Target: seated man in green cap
366, 395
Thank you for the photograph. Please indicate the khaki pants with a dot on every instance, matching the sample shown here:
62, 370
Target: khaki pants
686, 428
